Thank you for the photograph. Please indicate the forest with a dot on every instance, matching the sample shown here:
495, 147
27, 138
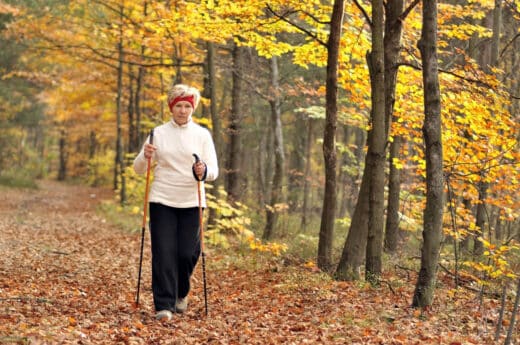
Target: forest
364, 140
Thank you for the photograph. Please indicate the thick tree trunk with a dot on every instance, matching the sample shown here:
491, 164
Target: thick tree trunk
328, 214
279, 157
234, 128
376, 148
433, 213
355, 246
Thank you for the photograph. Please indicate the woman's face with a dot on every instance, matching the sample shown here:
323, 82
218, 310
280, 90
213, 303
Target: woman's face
181, 112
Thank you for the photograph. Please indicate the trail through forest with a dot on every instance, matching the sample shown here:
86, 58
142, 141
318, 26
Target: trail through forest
69, 277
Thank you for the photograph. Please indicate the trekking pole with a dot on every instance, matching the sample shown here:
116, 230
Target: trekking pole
145, 208
201, 234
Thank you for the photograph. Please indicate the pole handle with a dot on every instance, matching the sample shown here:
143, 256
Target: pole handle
197, 159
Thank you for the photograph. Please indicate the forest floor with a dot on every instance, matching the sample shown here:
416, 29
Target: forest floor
67, 276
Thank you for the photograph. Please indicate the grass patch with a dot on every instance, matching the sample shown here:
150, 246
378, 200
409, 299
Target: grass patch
120, 217
18, 180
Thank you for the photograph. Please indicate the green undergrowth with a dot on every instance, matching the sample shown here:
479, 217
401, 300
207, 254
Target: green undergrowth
120, 216
18, 179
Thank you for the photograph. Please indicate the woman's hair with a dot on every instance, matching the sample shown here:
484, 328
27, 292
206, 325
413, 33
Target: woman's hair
181, 90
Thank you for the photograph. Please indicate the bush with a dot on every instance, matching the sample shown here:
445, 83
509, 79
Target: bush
18, 179
100, 169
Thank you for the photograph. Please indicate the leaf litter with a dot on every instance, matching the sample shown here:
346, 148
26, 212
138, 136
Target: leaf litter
69, 277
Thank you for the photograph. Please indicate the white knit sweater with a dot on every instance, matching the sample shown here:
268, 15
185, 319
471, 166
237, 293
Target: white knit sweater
174, 184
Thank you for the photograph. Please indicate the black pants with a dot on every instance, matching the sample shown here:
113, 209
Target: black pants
175, 251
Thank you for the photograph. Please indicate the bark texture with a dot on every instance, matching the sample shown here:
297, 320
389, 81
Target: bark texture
329, 138
432, 218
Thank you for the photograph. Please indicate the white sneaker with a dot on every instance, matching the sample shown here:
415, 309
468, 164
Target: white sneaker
164, 315
181, 305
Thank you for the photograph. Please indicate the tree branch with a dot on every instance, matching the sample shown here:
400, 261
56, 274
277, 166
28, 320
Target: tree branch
316, 19
365, 14
471, 80
509, 43
302, 29
409, 9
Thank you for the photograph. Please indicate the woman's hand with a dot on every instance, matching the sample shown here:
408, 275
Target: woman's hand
199, 169
149, 149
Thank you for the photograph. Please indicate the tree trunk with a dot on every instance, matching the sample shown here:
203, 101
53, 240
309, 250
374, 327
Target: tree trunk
480, 221
134, 144
307, 175
329, 138
62, 170
215, 121
376, 148
233, 157
130, 109
393, 29
266, 159
394, 191
93, 143
356, 242
488, 60
509, 337
465, 243
297, 159
355, 246
345, 179
432, 217
119, 163
279, 157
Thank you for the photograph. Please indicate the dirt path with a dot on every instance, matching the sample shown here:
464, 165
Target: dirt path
62, 269
68, 277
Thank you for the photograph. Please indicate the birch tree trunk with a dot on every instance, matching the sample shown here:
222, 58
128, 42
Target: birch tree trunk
432, 217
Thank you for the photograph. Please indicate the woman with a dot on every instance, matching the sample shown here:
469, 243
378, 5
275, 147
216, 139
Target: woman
174, 212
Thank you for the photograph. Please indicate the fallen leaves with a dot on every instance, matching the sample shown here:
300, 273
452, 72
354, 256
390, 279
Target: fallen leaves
68, 277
